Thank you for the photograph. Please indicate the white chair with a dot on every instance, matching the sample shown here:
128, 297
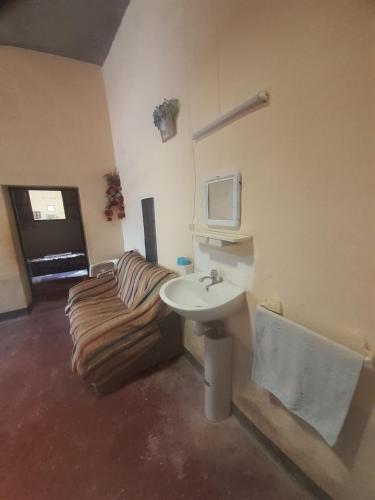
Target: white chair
102, 267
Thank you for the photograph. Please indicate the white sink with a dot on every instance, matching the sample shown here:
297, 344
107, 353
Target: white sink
190, 298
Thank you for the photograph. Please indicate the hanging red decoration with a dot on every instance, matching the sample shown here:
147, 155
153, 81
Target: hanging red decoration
115, 200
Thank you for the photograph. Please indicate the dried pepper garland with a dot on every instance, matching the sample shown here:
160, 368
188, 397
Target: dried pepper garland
115, 200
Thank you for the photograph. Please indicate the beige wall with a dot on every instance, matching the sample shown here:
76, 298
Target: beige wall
307, 164
54, 131
153, 67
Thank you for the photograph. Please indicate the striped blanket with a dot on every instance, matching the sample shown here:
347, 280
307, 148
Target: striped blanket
114, 320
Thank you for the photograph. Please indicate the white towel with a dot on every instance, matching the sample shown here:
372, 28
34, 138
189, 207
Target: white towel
312, 376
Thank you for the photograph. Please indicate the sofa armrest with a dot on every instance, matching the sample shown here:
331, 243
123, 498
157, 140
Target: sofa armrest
103, 285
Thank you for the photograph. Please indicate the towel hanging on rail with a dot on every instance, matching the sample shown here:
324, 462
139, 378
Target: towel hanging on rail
314, 377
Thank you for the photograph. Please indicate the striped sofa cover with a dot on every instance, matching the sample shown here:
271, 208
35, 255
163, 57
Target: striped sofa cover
119, 325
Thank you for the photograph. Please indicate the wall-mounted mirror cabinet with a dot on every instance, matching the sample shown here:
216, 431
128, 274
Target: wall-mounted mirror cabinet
223, 200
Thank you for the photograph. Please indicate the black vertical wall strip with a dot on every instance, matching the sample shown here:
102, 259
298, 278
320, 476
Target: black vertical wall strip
149, 228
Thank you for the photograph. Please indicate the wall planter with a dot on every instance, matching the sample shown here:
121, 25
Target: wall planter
165, 116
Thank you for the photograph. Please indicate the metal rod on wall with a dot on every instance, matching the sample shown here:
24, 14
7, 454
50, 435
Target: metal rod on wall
260, 100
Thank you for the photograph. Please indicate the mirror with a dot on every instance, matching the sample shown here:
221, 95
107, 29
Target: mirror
222, 200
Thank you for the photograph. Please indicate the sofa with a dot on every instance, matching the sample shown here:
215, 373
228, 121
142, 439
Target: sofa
120, 326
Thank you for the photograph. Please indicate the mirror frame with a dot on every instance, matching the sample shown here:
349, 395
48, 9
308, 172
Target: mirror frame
236, 208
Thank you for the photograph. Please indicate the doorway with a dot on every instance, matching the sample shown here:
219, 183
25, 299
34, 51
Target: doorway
50, 230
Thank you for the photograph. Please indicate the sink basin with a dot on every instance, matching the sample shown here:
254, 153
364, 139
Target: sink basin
189, 298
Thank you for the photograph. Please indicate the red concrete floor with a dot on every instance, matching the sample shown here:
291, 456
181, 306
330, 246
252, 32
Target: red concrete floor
148, 441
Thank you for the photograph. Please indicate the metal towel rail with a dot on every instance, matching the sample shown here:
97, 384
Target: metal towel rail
368, 360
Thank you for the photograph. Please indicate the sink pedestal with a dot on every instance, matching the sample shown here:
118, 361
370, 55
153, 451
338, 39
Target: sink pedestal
217, 373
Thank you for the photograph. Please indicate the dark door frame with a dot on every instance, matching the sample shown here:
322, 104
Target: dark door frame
9, 189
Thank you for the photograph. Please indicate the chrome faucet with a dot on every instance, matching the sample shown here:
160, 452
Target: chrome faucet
214, 277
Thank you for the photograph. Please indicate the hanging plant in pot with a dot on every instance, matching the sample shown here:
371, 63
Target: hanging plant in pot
115, 200
165, 115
